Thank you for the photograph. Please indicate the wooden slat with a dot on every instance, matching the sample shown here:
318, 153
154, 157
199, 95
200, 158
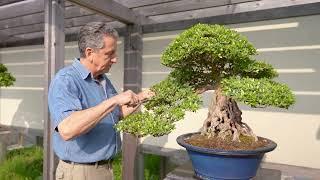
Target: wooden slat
20, 9
72, 22
240, 1
183, 5
69, 30
80, 21
229, 9
12, 28
5, 2
255, 14
3, 37
54, 60
112, 9
22, 21
139, 3
37, 37
70, 12
76, 11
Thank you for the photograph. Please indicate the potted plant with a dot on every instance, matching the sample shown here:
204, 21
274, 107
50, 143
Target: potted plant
213, 57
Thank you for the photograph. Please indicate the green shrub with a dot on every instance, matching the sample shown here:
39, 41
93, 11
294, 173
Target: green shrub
151, 170
6, 79
22, 164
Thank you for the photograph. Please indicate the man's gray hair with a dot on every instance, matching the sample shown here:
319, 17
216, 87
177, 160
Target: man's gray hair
91, 35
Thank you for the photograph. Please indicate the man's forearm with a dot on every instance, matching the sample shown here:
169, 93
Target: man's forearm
82, 121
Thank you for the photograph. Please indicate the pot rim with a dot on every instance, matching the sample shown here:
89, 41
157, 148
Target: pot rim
180, 140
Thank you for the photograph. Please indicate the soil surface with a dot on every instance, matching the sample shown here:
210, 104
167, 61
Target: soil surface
247, 143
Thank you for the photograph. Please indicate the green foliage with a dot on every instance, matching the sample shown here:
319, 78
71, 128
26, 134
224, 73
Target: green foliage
256, 69
207, 55
6, 79
258, 92
117, 167
22, 164
151, 164
142, 124
207, 45
168, 106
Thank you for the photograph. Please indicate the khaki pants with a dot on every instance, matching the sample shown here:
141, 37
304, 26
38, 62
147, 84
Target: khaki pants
66, 171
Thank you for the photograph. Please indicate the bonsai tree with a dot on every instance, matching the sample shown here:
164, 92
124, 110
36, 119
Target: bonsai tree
210, 57
6, 79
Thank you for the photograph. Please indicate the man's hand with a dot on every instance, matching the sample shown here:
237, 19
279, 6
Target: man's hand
127, 98
131, 107
145, 95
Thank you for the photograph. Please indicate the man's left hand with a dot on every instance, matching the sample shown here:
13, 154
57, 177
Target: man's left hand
145, 95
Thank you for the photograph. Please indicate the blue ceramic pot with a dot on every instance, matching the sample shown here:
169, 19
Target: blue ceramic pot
217, 164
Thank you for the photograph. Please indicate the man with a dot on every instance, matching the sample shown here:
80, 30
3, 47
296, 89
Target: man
84, 108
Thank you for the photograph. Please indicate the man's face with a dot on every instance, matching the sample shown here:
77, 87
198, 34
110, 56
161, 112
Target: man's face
105, 57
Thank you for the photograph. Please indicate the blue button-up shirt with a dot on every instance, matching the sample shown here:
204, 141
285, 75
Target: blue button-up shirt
73, 89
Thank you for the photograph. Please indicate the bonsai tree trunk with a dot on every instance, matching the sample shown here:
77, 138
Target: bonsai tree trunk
224, 119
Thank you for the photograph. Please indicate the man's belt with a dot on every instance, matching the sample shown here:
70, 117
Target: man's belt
102, 162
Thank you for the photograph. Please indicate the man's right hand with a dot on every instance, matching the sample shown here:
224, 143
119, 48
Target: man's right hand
127, 98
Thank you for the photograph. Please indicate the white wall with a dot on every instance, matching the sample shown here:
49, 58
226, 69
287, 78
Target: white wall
291, 45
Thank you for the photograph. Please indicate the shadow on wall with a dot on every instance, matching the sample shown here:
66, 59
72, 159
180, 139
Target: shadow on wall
318, 134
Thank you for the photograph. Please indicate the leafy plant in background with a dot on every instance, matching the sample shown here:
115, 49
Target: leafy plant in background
22, 164
6, 79
209, 57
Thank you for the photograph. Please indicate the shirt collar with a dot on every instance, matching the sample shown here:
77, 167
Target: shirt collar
81, 68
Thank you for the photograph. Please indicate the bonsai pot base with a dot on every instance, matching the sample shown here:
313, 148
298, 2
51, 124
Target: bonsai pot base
217, 164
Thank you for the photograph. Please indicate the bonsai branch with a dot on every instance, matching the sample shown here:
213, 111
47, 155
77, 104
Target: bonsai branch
204, 89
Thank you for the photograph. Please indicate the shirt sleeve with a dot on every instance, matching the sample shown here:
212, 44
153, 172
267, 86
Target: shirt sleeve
63, 99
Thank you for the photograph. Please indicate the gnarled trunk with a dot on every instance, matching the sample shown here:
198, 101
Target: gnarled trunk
224, 119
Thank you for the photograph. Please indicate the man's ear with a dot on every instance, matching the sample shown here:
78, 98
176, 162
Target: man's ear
89, 52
